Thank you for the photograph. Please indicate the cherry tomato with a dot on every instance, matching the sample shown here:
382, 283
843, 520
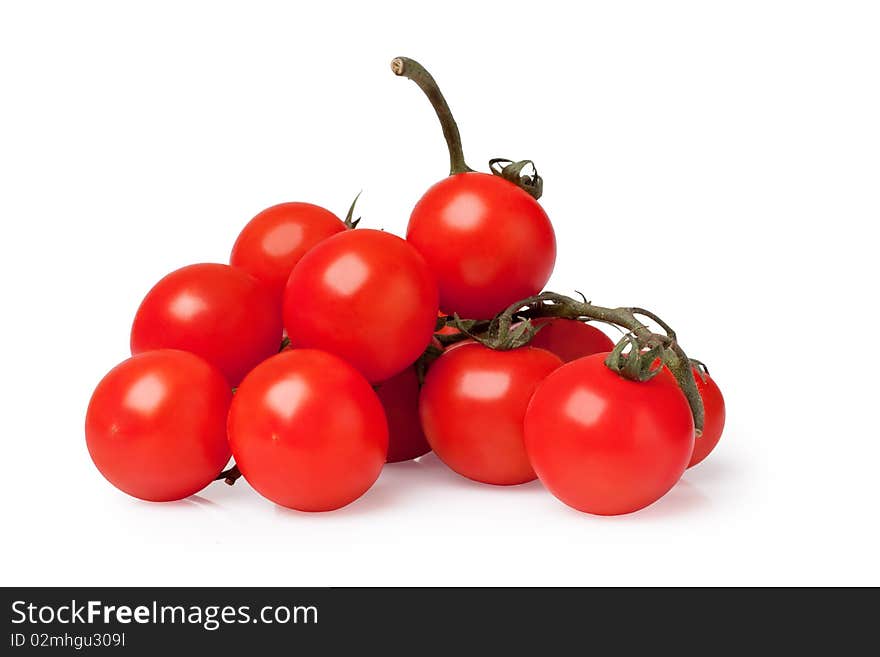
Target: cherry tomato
218, 312
472, 407
400, 398
307, 431
488, 242
275, 240
156, 425
570, 339
366, 296
606, 445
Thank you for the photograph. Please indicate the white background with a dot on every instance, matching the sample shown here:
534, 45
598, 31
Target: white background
716, 162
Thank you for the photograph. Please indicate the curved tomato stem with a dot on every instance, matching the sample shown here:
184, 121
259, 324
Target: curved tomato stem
510, 170
645, 346
410, 68
350, 222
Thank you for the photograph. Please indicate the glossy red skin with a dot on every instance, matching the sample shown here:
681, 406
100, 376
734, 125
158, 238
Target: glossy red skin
276, 239
472, 407
606, 445
713, 413
307, 431
218, 312
366, 296
156, 425
400, 399
570, 339
487, 241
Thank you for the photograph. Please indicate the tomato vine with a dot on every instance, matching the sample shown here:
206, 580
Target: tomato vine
634, 356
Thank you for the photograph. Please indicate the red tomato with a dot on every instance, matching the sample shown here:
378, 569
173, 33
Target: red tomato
714, 414
275, 240
220, 313
488, 242
400, 398
366, 296
606, 445
713, 425
307, 431
570, 339
472, 406
156, 425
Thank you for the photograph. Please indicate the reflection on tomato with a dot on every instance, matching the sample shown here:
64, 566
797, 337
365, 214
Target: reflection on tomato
218, 312
366, 296
278, 237
472, 406
487, 241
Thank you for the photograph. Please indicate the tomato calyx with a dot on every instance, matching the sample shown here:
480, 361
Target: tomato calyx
495, 334
634, 360
510, 170
349, 222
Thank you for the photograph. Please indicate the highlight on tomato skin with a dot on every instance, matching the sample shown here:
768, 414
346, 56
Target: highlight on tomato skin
400, 399
487, 241
366, 296
570, 339
218, 312
606, 445
277, 238
307, 431
472, 406
156, 425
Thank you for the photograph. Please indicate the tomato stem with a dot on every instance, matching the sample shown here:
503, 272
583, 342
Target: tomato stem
644, 344
410, 68
229, 476
350, 222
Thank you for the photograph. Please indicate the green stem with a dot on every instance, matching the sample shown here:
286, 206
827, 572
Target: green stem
550, 304
410, 68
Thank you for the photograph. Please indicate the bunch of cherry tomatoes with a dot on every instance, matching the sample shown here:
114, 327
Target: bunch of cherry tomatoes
323, 351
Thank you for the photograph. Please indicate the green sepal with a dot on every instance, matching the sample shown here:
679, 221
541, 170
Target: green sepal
512, 172
349, 222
